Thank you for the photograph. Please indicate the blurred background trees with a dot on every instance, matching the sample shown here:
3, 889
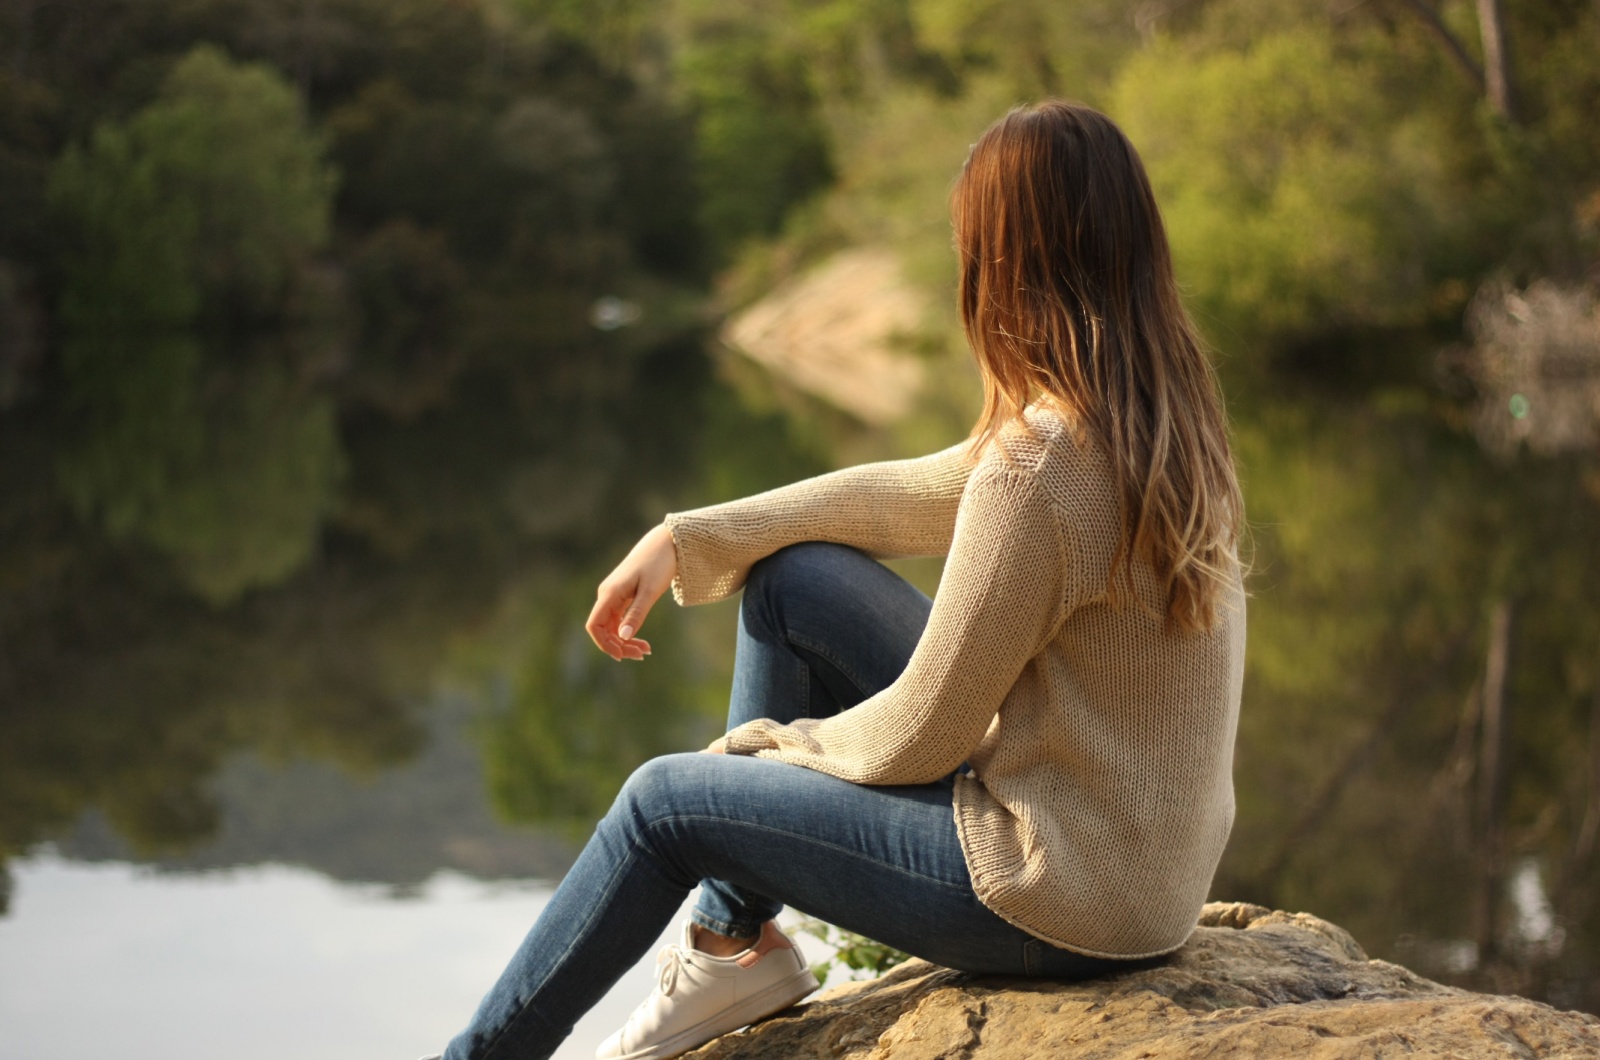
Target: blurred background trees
334, 333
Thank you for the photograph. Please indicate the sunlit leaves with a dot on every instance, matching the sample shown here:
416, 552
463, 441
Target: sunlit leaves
1288, 200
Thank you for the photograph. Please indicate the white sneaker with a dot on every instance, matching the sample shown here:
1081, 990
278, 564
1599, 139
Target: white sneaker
699, 997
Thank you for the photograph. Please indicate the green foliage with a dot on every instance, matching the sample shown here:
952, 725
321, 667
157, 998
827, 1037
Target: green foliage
406, 287
760, 142
1032, 47
1299, 195
207, 199
252, 378
853, 952
572, 724
250, 510
579, 723
215, 191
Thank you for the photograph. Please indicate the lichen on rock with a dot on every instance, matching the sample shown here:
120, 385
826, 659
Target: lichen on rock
1250, 982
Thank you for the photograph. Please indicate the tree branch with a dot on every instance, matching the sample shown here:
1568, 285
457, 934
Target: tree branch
1321, 805
1451, 42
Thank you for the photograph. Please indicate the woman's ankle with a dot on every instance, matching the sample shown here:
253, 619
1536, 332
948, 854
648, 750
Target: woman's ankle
718, 945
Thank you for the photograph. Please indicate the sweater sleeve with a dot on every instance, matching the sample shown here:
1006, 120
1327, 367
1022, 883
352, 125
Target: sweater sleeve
889, 508
1004, 590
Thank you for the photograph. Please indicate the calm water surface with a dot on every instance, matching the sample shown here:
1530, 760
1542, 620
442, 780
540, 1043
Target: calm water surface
263, 963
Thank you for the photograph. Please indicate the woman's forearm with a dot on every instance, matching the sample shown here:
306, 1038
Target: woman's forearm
895, 507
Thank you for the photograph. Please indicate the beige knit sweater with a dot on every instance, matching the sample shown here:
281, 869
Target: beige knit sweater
1101, 744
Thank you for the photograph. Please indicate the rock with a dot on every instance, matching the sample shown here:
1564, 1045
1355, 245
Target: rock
1251, 982
835, 332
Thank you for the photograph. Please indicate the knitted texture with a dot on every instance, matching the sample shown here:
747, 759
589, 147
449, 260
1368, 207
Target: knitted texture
1100, 742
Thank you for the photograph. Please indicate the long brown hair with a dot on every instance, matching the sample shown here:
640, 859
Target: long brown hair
1067, 294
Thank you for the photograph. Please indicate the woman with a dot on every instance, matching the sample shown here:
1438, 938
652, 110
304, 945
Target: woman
1029, 774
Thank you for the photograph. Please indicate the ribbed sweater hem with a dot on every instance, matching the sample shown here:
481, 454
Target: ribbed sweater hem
986, 895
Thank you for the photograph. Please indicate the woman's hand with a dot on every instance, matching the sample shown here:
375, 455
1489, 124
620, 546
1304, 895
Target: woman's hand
627, 594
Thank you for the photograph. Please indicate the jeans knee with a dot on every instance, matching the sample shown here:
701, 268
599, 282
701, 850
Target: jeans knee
805, 558
654, 813
650, 792
809, 567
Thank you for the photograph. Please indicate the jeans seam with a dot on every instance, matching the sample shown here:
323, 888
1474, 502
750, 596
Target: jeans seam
724, 927
595, 910
805, 687
800, 640
818, 842
489, 1049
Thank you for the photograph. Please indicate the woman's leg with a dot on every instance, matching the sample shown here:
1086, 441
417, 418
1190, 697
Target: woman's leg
883, 861
821, 628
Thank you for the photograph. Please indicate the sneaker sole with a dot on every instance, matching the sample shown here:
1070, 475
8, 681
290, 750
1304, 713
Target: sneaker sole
775, 998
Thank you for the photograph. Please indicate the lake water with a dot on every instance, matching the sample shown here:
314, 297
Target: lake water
263, 963
265, 943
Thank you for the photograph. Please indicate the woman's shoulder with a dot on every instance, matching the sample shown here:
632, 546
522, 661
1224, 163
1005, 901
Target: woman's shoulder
1064, 466
1048, 444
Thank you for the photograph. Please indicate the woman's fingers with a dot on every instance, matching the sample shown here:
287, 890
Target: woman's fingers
612, 622
599, 624
633, 617
626, 596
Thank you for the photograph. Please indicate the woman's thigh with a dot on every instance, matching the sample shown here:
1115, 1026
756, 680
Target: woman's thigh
821, 627
881, 861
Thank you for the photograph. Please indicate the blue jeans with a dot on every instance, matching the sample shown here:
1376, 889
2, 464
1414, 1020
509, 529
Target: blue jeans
821, 627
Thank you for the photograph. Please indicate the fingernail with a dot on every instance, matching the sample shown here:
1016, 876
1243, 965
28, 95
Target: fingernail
626, 632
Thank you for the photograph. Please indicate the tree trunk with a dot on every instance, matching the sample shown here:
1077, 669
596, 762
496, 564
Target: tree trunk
1496, 60
1493, 752
1493, 78
1583, 849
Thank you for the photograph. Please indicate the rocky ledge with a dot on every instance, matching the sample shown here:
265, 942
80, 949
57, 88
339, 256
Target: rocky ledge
1251, 982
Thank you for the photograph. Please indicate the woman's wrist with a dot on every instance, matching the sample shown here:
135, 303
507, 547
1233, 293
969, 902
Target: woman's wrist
667, 542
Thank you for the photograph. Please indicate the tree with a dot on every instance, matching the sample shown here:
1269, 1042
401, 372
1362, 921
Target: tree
1298, 195
197, 210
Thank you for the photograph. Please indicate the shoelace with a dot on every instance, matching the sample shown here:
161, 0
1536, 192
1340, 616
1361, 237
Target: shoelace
667, 962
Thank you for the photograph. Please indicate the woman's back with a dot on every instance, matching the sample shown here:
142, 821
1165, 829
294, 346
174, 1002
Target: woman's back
1103, 794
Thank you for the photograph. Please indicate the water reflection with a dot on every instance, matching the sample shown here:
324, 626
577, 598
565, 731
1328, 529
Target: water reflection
464, 541
397, 827
1421, 692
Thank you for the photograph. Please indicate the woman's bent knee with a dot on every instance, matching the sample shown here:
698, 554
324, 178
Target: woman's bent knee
664, 810
807, 573
661, 789
806, 562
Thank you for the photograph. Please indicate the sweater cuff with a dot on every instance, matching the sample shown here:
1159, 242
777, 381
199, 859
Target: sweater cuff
764, 734
749, 738
703, 576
